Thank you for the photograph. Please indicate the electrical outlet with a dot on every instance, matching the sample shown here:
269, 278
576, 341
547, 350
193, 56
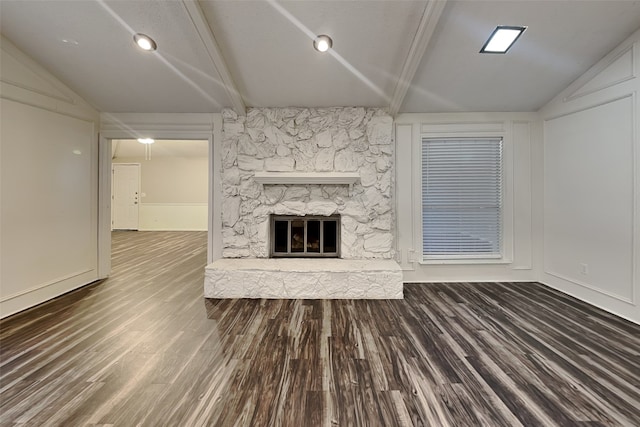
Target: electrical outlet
584, 269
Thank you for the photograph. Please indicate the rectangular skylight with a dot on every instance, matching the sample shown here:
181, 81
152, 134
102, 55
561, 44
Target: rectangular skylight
502, 38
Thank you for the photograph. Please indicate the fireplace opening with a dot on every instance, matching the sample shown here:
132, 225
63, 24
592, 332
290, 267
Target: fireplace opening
305, 236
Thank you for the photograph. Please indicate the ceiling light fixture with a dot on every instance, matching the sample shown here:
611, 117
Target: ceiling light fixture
322, 43
146, 141
502, 38
70, 41
145, 42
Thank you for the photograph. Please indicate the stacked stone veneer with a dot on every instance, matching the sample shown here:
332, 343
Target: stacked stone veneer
308, 140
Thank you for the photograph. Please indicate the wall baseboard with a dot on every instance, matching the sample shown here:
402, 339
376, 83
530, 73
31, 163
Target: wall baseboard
39, 294
605, 305
172, 229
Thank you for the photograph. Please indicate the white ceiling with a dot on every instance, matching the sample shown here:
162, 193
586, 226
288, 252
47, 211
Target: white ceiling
215, 54
275, 65
563, 39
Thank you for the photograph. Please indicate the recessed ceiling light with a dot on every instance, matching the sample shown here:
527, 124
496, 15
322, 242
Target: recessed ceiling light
502, 38
322, 43
146, 140
145, 42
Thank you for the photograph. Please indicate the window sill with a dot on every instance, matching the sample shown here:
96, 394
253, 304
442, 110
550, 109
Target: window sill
469, 261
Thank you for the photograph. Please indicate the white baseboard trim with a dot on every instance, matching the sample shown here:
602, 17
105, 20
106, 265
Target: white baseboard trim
172, 229
17, 302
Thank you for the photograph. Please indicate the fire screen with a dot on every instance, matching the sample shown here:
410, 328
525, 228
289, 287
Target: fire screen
305, 236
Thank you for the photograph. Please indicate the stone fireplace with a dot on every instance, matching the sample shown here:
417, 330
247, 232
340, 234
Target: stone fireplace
323, 178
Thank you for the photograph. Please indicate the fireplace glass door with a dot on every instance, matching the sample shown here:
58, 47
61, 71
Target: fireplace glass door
305, 236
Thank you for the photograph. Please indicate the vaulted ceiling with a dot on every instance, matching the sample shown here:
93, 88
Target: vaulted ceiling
405, 55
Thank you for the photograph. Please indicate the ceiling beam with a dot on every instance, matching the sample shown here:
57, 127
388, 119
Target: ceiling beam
206, 35
430, 18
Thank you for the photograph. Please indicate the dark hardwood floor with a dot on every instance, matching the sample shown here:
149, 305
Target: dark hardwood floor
145, 348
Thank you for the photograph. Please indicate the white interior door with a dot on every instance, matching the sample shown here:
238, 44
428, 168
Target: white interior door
125, 196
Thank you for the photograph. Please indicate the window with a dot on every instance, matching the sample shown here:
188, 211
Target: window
461, 198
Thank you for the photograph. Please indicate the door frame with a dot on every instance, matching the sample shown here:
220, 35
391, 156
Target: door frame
113, 167
159, 126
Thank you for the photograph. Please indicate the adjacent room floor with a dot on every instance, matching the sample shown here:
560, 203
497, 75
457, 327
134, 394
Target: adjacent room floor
145, 348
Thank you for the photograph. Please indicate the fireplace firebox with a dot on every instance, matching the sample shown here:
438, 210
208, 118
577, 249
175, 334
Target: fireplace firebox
306, 236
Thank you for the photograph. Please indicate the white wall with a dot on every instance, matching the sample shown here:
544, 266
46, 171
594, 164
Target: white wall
174, 192
520, 133
48, 181
592, 185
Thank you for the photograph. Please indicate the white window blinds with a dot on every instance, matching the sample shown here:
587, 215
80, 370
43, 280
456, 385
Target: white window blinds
461, 198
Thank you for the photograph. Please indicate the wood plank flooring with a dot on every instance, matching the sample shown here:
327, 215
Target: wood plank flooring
145, 348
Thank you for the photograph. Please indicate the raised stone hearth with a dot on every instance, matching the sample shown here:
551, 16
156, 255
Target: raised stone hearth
303, 278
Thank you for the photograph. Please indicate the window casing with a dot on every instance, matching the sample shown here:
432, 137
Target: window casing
462, 198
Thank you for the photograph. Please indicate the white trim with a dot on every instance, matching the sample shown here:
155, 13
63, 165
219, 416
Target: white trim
214, 241
597, 304
591, 287
403, 183
635, 239
496, 280
168, 229
158, 125
194, 10
171, 204
605, 65
464, 261
464, 118
35, 90
528, 265
203, 126
561, 102
416, 181
42, 294
508, 193
47, 284
428, 21
104, 207
68, 103
460, 128
586, 107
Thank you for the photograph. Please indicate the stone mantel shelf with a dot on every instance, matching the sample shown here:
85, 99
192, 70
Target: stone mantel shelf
303, 178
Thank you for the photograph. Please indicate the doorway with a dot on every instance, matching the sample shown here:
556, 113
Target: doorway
125, 196
173, 189
115, 129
